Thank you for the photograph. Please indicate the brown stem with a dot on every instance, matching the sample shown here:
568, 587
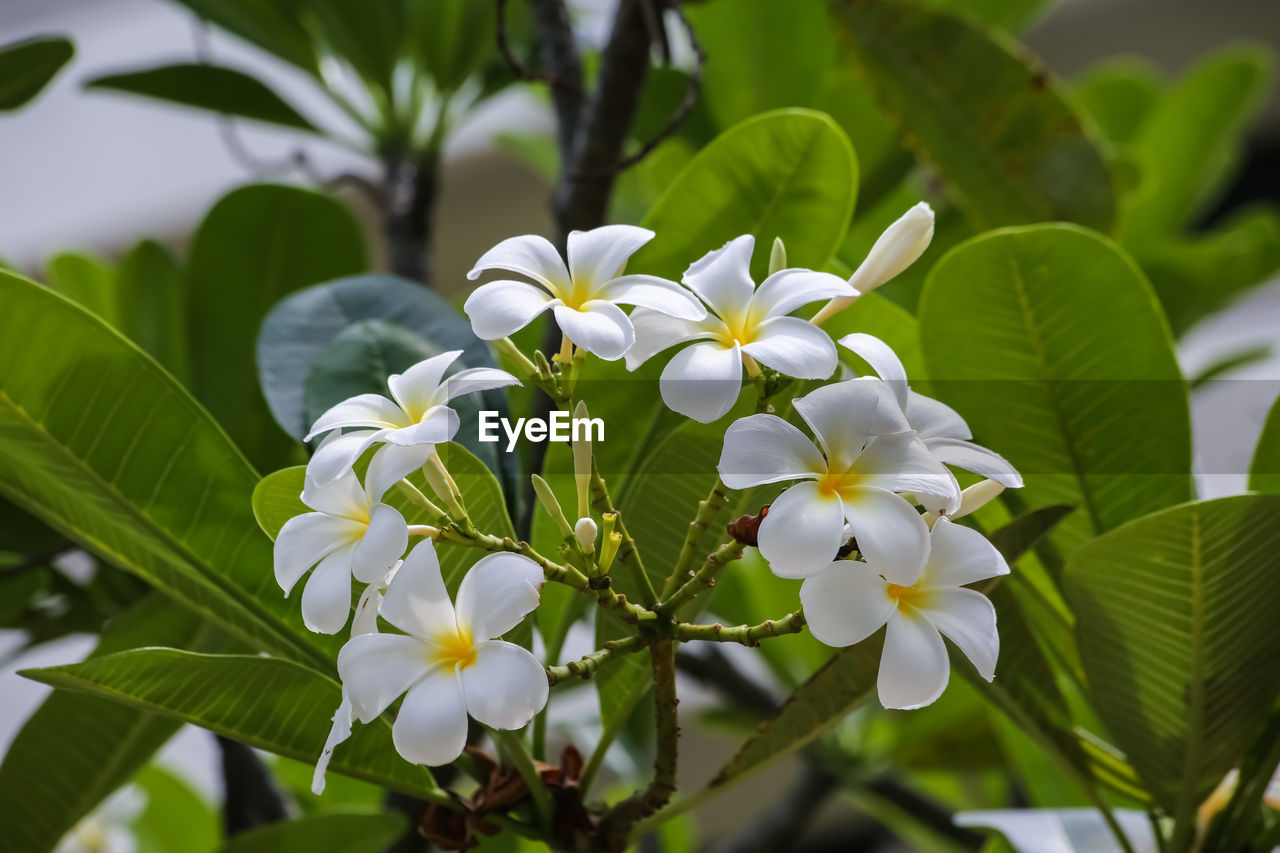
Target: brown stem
411, 187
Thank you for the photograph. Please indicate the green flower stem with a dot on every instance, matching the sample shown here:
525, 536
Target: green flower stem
708, 508
628, 554
603, 594
518, 751
703, 579
747, 635
588, 664
616, 826
410, 491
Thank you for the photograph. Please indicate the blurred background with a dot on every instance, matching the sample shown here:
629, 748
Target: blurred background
94, 170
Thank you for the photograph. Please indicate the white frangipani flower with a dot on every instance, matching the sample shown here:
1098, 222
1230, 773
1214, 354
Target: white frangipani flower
747, 324
350, 533
448, 663
584, 296
901, 245
107, 829
849, 600
409, 425
867, 454
939, 426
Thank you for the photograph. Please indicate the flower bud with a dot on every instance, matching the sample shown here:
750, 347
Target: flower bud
586, 531
582, 459
777, 256
547, 498
977, 496
901, 244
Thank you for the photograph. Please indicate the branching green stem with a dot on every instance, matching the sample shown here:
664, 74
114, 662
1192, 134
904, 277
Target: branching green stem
518, 751
586, 666
628, 554
747, 635
708, 508
703, 579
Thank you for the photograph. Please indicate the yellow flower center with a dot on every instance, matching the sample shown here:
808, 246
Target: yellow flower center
454, 649
737, 327
836, 482
905, 594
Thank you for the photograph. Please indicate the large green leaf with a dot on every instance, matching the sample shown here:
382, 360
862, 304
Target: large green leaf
215, 88
87, 280
278, 498
76, 749
304, 325
789, 173
332, 832
996, 127
27, 67
841, 686
1190, 139
452, 39
1176, 622
276, 26
256, 245
267, 703
153, 305
1264, 473
1047, 339
1008, 14
1118, 94
100, 443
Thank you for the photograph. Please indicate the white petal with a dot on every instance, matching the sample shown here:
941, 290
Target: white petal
505, 687
338, 453
598, 255
722, 277
655, 332
416, 601
376, 668
383, 544
439, 426
476, 379
656, 294
431, 726
968, 619
960, 555
342, 496
975, 458
391, 463
902, 463
365, 620
801, 533
339, 732
761, 449
326, 599
497, 592
600, 328
304, 540
844, 414
793, 346
896, 249
702, 381
364, 410
932, 418
502, 308
529, 255
883, 360
417, 389
786, 290
913, 667
891, 535
845, 603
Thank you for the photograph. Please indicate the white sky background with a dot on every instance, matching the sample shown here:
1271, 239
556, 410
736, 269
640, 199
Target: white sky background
95, 170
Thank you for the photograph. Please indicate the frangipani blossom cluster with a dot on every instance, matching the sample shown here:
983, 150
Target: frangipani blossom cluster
866, 518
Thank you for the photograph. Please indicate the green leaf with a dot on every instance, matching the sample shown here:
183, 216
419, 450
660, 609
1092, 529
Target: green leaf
452, 39
1264, 473
256, 245
88, 280
26, 67
1175, 618
267, 703
276, 26
1021, 535
369, 36
278, 498
1008, 14
1048, 341
76, 749
996, 127
1190, 139
1119, 94
891, 323
100, 443
214, 88
153, 305
841, 686
175, 817
302, 326
339, 832
762, 55
1230, 363
788, 173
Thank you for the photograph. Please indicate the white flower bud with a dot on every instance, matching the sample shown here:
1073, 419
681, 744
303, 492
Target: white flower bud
977, 496
896, 249
586, 531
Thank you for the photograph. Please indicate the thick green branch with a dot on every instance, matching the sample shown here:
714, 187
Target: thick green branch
703, 579
747, 635
628, 554
708, 508
588, 664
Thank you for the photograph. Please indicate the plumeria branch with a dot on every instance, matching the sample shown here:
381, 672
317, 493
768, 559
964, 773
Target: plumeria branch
586, 666
708, 509
704, 578
747, 635
628, 554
